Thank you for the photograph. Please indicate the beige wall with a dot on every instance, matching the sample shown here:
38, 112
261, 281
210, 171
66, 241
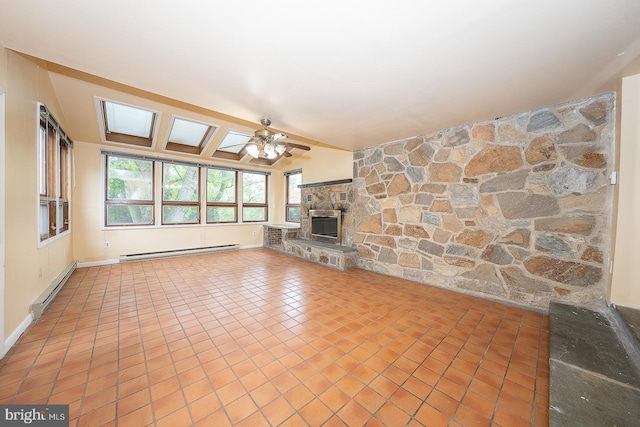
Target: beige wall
28, 269
90, 235
321, 164
327, 165
625, 288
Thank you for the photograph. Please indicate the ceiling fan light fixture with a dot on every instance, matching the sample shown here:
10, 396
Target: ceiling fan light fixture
253, 150
264, 143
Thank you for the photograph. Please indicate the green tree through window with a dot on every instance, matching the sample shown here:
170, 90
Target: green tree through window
294, 196
129, 191
180, 194
254, 197
222, 193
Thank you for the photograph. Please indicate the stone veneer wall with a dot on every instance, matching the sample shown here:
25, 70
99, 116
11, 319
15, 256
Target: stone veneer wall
517, 208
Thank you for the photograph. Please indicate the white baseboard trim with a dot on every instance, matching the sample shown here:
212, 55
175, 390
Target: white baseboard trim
98, 263
177, 252
117, 261
11, 339
42, 302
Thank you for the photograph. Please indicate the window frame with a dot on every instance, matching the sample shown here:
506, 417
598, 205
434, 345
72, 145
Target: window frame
288, 203
157, 195
209, 204
181, 203
228, 155
185, 148
264, 205
47, 209
64, 155
54, 177
123, 138
129, 202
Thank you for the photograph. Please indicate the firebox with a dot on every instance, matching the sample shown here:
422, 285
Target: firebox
326, 225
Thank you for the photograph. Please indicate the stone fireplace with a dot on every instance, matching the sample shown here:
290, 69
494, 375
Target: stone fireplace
326, 228
325, 225
328, 196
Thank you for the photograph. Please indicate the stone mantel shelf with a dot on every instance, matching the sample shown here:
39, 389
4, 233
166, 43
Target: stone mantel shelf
326, 183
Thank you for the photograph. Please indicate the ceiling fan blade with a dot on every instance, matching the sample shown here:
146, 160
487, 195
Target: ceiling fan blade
298, 146
287, 154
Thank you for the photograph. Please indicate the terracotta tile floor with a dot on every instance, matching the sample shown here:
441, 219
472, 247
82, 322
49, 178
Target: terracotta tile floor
255, 337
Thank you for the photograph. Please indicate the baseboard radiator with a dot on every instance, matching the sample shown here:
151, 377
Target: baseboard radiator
43, 301
177, 252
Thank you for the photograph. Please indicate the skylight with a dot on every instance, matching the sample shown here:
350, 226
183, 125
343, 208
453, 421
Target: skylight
234, 141
188, 136
232, 146
127, 124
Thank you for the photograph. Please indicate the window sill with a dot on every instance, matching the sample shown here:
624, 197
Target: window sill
43, 243
160, 227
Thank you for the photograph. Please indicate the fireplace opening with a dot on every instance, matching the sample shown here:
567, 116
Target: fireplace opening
326, 225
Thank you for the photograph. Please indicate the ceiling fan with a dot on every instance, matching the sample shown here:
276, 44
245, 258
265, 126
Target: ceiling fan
268, 144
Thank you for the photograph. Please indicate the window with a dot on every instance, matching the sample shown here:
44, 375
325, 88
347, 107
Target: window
188, 136
180, 194
232, 146
53, 177
254, 197
294, 195
183, 192
63, 192
48, 205
222, 191
129, 195
127, 124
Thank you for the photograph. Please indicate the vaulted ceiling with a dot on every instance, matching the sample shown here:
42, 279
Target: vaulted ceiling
349, 74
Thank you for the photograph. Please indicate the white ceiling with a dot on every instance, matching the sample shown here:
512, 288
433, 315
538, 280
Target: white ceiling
351, 74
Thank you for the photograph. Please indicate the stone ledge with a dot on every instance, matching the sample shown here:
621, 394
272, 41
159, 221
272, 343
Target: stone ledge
327, 246
274, 235
594, 374
326, 183
340, 257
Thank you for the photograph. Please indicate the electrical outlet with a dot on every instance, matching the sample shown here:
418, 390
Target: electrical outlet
255, 232
107, 244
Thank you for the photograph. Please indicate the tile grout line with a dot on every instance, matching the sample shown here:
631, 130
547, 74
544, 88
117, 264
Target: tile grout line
306, 314
84, 394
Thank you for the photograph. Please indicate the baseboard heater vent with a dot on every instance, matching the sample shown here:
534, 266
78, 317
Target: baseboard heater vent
177, 252
43, 301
